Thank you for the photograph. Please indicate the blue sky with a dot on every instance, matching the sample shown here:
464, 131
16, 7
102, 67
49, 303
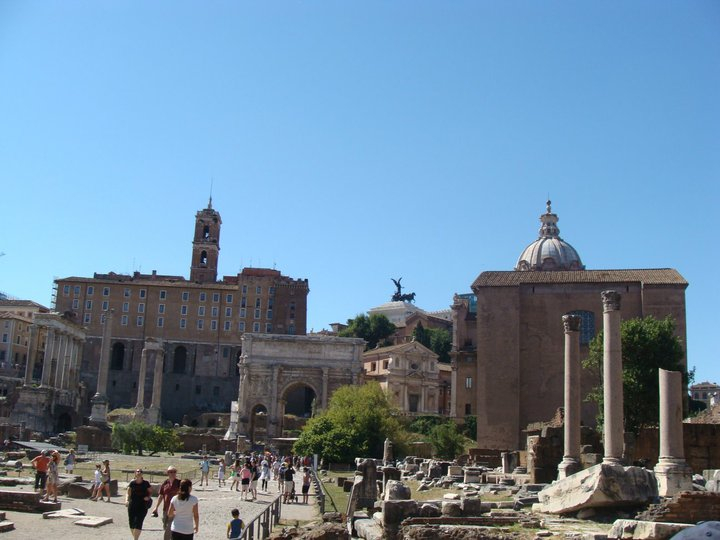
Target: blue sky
352, 142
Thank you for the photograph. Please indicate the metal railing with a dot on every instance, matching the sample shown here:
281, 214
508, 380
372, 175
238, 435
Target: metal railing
319, 491
260, 527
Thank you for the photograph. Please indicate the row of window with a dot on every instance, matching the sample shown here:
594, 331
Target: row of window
160, 323
127, 293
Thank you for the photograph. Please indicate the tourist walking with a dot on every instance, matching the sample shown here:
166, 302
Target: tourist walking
204, 470
40, 464
235, 526
235, 475
289, 483
245, 476
184, 511
97, 482
105, 478
264, 475
70, 462
168, 489
254, 478
221, 473
53, 476
138, 500
307, 478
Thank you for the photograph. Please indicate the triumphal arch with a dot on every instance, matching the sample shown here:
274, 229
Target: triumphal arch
290, 375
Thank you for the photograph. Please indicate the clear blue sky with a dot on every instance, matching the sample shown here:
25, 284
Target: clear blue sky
352, 142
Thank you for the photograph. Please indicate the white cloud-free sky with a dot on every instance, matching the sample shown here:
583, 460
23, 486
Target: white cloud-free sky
352, 142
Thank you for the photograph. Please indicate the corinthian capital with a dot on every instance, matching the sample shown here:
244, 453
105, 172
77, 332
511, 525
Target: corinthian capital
611, 300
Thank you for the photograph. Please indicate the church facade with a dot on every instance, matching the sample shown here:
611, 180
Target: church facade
516, 333
198, 324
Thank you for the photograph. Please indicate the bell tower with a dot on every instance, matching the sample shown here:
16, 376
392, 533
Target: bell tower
206, 245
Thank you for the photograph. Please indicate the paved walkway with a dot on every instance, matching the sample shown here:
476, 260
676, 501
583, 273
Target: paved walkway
215, 505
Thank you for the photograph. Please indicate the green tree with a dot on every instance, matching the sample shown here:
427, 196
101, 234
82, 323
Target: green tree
375, 329
424, 424
447, 441
648, 345
356, 423
137, 436
438, 340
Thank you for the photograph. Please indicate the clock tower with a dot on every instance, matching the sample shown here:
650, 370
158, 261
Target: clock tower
206, 245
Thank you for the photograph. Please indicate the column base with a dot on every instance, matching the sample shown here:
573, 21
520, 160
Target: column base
152, 415
673, 475
98, 413
608, 460
568, 466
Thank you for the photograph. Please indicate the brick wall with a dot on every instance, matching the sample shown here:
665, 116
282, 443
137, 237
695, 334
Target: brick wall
685, 507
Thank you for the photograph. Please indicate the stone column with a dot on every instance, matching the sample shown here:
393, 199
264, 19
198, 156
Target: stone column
423, 398
47, 360
158, 379
672, 471
571, 457
453, 388
140, 403
612, 379
325, 380
98, 414
30, 364
62, 351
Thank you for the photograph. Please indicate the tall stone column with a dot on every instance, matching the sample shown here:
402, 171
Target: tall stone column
571, 457
158, 379
614, 429
61, 360
140, 403
32, 346
98, 414
453, 388
47, 360
154, 413
325, 380
672, 471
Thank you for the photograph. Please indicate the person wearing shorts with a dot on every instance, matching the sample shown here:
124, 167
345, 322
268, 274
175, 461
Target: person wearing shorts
245, 477
289, 483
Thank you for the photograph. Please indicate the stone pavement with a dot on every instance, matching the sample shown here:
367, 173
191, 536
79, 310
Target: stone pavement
215, 505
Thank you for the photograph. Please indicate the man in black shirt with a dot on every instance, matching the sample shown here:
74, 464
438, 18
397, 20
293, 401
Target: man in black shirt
289, 482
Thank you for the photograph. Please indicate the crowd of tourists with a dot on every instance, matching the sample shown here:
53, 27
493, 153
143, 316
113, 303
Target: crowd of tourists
263, 472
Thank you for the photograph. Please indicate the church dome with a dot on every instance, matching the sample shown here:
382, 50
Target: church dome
549, 251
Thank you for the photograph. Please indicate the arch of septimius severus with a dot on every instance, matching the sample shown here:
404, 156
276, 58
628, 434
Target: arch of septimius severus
282, 374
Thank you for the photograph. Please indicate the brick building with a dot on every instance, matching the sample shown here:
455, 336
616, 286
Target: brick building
515, 332
199, 323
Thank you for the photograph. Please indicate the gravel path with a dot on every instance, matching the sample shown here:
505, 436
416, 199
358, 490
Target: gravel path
215, 505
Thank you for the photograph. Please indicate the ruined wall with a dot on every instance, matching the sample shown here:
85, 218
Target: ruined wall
701, 442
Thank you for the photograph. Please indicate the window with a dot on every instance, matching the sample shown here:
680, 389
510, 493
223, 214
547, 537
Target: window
241, 326
228, 299
271, 291
468, 382
183, 323
587, 325
163, 295
143, 293
201, 311
160, 322
242, 313
200, 324
256, 327
5, 338
75, 303
216, 297
268, 315
268, 328
183, 310
202, 296
76, 289
126, 307
244, 289
123, 320
228, 312
257, 303
90, 290
185, 296
257, 313
213, 325
468, 408
291, 329
141, 308
140, 320
161, 308
106, 291
102, 319
372, 366
227, 326
243, 302
214, 311
88, 304
87, 319
66, 290
105, 305
258, 290
386, 363
126, 293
